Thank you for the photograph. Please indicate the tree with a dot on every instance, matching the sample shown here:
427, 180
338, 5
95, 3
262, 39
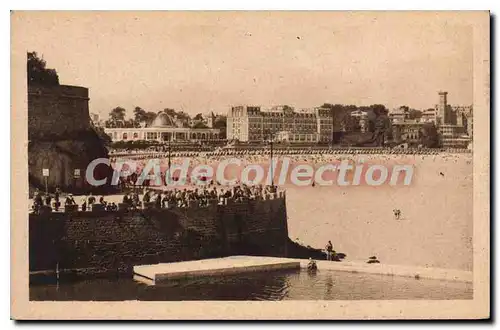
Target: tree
149, 117
379, 110
184, 117
139, 114
129, 123
199, 124
170, 112
117, 114
429, 136
220, 123
198, 116
414, 114
37, 72
181, 115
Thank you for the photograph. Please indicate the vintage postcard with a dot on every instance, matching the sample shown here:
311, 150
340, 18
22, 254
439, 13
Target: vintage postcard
250, 165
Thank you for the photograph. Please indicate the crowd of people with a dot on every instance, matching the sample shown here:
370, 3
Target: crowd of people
198, 196
167, 198
253, 157
235, 152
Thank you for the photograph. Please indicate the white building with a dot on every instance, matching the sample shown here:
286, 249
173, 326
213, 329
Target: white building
163, 129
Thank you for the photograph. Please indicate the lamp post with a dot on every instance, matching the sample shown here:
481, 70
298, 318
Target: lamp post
45, 173
169, 156
76, 176
271, 135
169, 160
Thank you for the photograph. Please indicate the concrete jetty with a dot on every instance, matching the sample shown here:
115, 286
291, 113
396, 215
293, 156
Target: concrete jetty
154, 274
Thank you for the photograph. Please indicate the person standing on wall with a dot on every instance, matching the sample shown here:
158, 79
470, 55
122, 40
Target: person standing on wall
57, 203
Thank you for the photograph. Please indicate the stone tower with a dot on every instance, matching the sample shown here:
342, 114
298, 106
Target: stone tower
62, 140
443, 108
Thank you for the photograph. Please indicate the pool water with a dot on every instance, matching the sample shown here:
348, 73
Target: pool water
279, 285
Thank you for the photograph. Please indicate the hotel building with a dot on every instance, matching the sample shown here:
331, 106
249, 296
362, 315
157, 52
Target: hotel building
282, 123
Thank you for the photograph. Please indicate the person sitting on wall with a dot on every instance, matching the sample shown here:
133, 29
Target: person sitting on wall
102, 201
57, 202
213, 193
48, 199
84, 205
146, 197
164, 200
37, 199
135, 200
158, 200
69, 200
90, 200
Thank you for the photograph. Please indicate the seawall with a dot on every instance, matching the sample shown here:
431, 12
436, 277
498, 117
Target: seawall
115, 241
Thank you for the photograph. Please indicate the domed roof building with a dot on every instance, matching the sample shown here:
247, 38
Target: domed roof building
164, 128
162, 120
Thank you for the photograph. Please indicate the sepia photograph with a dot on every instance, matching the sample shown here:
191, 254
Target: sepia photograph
170, 160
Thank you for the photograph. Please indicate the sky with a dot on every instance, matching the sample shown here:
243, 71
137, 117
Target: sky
209, 61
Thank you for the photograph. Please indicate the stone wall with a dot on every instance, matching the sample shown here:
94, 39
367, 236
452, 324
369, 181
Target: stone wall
115, 241
57, 110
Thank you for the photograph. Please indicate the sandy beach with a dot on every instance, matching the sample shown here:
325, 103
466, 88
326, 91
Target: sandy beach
435, 229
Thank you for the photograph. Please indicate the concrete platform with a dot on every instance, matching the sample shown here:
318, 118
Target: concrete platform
393, 270
153, 274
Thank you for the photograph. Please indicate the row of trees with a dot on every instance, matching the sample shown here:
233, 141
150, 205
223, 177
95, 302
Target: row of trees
117, 117
379, 123
343, 121
412, 113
